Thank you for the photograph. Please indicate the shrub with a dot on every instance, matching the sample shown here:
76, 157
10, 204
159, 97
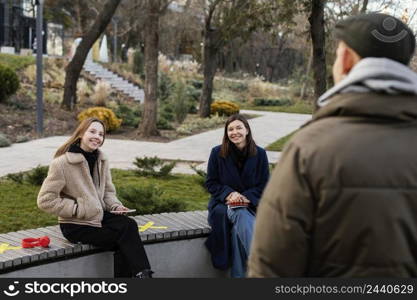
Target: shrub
153, 166
16, 177
163, 123
180, 102
22, 139
237, 86
184, 67
4, 141
271, 102
197, 84
101, 93
148, 200
37, 175
83, 91
102, 113
224, 108
166, 112
138, 62
9, 83
193, 93
165, 86
130, 117
197, 124
202, 175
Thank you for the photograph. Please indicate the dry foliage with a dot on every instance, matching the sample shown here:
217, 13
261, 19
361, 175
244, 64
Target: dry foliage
101, 94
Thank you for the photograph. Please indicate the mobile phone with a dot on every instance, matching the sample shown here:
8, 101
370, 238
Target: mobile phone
123, 211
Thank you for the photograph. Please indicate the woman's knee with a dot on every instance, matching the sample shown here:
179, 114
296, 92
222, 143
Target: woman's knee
131, 223
242, 217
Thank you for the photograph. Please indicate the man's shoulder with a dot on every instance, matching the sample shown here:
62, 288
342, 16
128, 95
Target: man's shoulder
318, 133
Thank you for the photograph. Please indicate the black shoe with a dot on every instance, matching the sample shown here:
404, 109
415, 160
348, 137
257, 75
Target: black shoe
144, 274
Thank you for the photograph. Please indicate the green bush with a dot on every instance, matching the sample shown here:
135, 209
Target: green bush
202, 175
163, 124
198, 84
272, 102
165, 86
153, 166
130, 116
179, 101
138, 62
193, 93
4, 141
22, 139
16, 177
148, 200
37, 175
166, 112
9, 83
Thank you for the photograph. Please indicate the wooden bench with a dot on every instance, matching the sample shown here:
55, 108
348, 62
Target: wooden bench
174, 243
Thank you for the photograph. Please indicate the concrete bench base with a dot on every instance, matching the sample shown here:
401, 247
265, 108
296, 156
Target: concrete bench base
172, 259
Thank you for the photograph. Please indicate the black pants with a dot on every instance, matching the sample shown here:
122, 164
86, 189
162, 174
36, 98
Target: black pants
118, 233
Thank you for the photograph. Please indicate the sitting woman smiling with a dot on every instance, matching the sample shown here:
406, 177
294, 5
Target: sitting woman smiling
79, 190
237, 173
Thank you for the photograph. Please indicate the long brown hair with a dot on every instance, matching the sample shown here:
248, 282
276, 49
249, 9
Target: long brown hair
226, 144
78, 134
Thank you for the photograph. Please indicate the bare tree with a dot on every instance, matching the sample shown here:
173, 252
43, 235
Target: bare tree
227, 20
154, 9
364, 6
75, 66
316, 20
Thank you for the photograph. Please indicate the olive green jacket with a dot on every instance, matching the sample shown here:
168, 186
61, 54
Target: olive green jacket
70, 192
342, 201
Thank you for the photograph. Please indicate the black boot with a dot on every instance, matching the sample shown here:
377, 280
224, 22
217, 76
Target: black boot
144, 274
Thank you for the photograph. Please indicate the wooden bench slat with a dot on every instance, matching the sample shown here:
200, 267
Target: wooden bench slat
180, 225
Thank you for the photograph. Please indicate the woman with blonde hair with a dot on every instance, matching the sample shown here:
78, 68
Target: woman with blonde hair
79, 190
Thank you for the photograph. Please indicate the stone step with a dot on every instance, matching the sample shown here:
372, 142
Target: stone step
117, 82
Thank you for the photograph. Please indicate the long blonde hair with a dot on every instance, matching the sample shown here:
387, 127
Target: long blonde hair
78, 134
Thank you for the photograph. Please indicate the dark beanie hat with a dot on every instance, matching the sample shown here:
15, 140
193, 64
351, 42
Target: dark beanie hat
377, 35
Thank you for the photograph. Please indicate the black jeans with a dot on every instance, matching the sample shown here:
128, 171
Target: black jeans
118, 233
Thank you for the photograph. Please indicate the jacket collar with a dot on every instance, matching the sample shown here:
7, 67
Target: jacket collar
380, 75
394, 108
76, 158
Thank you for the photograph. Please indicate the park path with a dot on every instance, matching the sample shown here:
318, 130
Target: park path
266, 129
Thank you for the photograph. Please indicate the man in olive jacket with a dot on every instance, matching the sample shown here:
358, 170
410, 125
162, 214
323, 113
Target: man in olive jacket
342, 202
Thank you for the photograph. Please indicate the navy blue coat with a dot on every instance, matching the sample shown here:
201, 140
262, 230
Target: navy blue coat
223, 178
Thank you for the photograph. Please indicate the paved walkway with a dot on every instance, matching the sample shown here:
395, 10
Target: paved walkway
265, 129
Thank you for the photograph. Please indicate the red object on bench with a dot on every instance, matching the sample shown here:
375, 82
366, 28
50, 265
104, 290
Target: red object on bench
34, 242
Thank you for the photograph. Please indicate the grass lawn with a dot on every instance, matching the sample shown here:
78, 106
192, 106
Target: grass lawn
279, 144
18, 201
299, 107
16, 62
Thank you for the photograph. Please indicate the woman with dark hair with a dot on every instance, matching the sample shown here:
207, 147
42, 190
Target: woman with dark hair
79, 190
237, 173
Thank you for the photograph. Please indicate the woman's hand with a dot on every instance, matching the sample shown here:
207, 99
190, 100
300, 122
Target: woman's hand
236, 198
120, 210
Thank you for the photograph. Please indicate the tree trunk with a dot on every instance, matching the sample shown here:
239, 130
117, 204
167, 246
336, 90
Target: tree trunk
75, 66
209, 70
78, 17
147, 127
316, 20
364, 6
309, 65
